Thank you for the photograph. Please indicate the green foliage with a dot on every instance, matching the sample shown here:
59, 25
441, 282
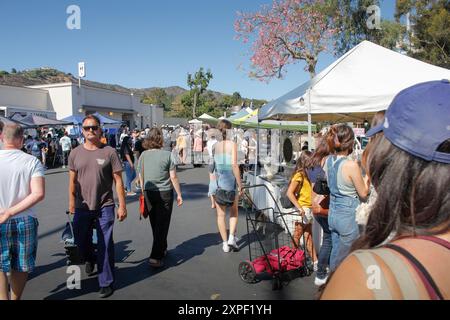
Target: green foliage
13, 71
198, 84
430, 37
3, 73
158, 97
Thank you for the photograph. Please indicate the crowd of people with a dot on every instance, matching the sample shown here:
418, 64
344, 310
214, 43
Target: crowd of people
404, 175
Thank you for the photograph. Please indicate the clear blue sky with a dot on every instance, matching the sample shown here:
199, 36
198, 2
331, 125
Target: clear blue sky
141, 43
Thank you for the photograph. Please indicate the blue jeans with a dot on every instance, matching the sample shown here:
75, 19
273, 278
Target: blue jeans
130, 175
83, 224
343, 227
325, 249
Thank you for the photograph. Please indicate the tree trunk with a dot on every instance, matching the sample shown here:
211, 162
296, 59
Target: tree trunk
195, 105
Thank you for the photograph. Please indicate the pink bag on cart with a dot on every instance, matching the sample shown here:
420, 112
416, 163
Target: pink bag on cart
290, 259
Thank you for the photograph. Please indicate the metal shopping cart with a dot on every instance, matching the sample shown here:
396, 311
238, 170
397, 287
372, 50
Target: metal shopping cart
273, 250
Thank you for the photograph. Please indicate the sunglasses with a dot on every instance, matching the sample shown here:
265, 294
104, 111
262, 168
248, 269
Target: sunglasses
89, 128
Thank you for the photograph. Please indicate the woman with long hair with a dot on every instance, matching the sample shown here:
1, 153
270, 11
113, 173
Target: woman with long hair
346, 185
410, 170
320, 209
127, 156
299, 192
158, 177
229, 185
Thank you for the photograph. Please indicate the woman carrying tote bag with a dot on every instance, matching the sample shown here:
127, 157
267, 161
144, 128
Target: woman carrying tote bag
157, 173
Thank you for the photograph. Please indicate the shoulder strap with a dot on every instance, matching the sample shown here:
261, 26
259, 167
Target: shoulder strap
401, 273
426, 278
433, 239
367, 261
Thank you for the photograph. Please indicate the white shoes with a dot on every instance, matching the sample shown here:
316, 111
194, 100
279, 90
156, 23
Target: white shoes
225, 247
320, 282
232, 243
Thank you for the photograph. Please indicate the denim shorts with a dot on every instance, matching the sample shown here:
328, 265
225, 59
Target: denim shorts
18, 244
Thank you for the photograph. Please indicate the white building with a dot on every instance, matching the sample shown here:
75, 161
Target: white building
65, 99
25, 101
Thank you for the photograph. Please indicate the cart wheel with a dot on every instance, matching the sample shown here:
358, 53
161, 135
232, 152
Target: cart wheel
247, 272
276, 284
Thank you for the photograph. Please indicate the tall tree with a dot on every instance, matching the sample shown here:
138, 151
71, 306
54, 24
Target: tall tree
429, 37
287, 32
198, 84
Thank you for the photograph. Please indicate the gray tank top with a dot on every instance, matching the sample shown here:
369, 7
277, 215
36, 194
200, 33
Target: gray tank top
345, 188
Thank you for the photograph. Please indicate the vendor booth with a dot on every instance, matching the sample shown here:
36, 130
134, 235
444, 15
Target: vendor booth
352, 89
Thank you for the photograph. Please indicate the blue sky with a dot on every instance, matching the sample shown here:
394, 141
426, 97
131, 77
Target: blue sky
141, 43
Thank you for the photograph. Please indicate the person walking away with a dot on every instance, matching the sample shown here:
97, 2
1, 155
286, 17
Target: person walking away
127, 156
299, 192
228, 178
66, 146
198, 149
409, 167
1, 137
212, 178
94, 168
320, 209
158, 177
22, 186
346, 183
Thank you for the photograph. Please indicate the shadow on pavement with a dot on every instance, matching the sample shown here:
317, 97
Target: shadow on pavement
137, 272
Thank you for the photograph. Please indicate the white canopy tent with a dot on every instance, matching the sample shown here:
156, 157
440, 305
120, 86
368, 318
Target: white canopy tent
195, 121
208, 119
363, 81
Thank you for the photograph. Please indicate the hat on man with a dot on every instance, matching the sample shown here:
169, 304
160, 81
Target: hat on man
418, 120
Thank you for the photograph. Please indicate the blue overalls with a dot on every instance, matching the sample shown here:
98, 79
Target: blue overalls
341, 217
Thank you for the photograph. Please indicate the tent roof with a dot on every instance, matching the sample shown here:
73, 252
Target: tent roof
74, 119
195, 121
106, 120
240, 114
363, 81
208, 119
34, 120
252, 122
11, 121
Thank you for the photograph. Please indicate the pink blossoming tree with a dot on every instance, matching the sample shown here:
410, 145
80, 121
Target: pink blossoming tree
287, 32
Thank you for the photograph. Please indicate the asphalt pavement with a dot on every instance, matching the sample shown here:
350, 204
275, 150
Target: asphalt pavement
196, 268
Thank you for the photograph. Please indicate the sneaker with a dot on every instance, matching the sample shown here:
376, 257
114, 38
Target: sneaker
320, 282
90, 266
131, 194
106, 292
225, 247
232, 243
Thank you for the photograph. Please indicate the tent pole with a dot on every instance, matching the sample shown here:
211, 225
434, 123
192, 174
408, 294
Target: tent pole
257, 151
309, 121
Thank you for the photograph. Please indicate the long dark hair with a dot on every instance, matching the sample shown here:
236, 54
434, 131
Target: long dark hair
125, 144
412, 194
322, 150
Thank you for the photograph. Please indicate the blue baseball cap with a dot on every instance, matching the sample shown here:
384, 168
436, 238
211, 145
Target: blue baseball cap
418, 120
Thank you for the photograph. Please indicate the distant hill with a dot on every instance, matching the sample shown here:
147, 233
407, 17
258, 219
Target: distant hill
47, 75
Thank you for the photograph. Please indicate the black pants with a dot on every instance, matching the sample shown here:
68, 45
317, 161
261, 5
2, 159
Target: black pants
160, 214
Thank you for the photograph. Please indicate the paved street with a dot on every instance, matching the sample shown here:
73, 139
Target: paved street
196, 266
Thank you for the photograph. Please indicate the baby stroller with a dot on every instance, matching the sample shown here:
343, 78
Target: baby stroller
273, 250
72, 251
